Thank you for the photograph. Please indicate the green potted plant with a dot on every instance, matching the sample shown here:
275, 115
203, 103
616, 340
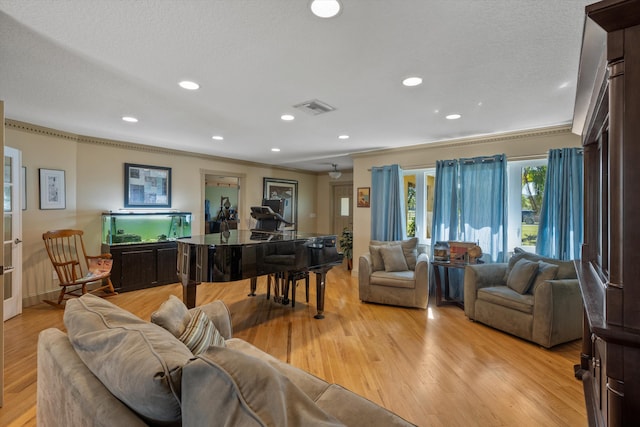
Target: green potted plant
346, 245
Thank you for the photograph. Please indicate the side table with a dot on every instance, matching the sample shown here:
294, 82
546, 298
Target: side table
442, 296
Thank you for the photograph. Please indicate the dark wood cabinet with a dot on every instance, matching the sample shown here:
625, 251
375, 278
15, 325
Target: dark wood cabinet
608, 114
139, 266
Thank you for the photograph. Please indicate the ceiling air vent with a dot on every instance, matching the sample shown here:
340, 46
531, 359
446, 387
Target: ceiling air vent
314, 107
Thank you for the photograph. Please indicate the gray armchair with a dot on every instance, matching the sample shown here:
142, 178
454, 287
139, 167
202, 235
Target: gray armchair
395, 285
546, 310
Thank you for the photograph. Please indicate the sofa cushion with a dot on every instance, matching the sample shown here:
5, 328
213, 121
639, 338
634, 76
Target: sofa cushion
409, 249
396, 279
200, 334
229, 387
522, 275
566, 269
546, 272
139, 362
376, 258
173, 315
355, 410
506, 297
393, 258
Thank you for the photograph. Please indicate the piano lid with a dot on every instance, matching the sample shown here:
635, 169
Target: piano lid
247, 237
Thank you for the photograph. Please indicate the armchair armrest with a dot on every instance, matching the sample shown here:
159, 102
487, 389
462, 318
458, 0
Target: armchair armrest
219, 314
365, 268
480, 276
557, 312
422, 280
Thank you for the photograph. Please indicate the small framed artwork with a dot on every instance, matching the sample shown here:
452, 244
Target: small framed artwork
52, 189
147, 186
287, 191
364, 197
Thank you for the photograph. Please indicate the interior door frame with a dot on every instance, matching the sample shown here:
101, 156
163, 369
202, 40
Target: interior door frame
13, 306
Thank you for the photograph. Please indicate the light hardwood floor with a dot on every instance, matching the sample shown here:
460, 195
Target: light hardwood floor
433, 367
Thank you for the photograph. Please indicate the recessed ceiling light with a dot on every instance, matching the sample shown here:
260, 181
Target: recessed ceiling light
186, 84
287, 117
325, 8
217, 137
130, 119
275, 150
343, 137
453, 116
412, 81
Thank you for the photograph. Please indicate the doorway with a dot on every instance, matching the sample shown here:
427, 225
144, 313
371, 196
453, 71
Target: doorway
221, 202
13, 205
342, 215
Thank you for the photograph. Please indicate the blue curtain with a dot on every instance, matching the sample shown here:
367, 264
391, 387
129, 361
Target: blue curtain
560, 229
470, 204
387, 203
444, 225
483, 204
445, 202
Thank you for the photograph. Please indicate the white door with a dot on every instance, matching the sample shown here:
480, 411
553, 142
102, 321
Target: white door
342, 208
12, 278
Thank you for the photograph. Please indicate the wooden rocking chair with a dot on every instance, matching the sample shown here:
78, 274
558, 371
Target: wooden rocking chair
76, 269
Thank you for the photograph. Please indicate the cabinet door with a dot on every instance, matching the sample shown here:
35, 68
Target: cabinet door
167, 265
138, 268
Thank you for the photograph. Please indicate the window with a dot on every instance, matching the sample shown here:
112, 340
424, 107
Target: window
526, 188
526, 180
418, 187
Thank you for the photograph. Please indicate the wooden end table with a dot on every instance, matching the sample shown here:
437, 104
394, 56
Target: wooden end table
443, 298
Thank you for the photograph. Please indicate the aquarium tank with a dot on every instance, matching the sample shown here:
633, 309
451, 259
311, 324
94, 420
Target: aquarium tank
148, 227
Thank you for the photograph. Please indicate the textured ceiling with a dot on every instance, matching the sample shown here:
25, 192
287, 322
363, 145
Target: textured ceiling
80, 65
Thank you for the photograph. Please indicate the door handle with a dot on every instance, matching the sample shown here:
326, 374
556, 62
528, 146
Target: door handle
17, 241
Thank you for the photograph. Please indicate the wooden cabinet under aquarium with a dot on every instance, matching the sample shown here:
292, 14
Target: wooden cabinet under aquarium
143, 247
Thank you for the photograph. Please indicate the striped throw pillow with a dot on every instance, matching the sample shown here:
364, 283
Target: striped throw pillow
201, 334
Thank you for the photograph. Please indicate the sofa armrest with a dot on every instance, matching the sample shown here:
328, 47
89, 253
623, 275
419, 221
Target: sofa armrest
365, 268
421, 273
480, 276
557, 312
219, 314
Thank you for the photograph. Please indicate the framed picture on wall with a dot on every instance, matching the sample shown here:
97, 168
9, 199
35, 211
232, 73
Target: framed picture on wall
147, 186
364, 197
52, 189
287, 191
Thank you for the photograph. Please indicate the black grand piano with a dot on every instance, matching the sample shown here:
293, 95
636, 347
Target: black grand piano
248, 254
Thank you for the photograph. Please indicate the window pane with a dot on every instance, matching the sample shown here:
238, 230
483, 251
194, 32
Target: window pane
410, 203
533, 180
344, 206
430, 182
7, 227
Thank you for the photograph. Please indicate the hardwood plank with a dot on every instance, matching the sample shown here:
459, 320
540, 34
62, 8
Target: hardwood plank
433, 367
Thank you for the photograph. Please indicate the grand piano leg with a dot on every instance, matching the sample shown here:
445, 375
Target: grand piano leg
254, 286
321, 277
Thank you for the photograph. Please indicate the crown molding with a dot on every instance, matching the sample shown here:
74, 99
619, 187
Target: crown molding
474, 140
85, 139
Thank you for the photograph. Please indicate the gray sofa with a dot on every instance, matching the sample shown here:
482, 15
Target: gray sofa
114, 369
395, 278
532, 297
